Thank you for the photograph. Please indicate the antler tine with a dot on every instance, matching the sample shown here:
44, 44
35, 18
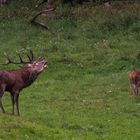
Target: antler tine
8, 59
31, 52
21, 60
29, 58
32, 55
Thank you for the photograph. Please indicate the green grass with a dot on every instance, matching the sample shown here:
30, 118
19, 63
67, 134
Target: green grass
84, 94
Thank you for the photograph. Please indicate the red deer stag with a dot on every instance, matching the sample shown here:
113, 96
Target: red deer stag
14, 81
134, 78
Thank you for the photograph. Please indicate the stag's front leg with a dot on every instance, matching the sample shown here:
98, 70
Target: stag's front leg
13, 103
17, 103
14, 97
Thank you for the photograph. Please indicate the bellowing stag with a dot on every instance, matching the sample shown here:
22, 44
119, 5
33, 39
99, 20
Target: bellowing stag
14, 81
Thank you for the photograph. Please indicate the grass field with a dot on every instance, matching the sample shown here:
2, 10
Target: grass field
84, 94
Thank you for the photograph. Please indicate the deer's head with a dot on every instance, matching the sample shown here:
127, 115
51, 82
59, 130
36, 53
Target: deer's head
36, 66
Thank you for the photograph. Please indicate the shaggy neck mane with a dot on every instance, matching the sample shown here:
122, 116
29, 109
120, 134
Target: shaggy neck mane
28, 76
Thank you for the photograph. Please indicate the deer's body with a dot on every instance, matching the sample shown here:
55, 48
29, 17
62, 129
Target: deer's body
134, 78
14, 81
18, 79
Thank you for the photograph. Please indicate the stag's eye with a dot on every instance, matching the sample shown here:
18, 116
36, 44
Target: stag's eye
36, 64
29, 65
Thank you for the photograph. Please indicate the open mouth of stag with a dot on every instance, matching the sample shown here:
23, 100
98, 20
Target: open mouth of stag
45, 65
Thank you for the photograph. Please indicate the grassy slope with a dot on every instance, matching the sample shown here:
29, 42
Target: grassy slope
84, 94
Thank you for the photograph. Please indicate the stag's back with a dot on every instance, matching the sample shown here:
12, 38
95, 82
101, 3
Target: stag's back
10, 79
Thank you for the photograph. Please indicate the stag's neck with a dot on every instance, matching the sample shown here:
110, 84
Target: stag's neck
28, 77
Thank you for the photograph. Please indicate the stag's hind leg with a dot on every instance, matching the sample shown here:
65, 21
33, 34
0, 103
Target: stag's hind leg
2, 108
134, 85
137, 88
132, 88
2, 88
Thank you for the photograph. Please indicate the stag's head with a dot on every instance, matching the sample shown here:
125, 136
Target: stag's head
37, 65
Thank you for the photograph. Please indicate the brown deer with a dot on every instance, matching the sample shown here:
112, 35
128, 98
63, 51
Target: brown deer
134, 79
14, 81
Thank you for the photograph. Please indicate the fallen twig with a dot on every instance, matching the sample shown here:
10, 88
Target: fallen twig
44, 12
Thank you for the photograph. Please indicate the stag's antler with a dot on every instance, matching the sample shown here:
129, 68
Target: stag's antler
31, 56
9, 61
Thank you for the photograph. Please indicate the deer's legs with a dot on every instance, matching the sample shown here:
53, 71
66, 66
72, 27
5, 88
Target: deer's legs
137, 88
17, 103
131, 88
2, 108
13, 102
14, 98
1, 94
